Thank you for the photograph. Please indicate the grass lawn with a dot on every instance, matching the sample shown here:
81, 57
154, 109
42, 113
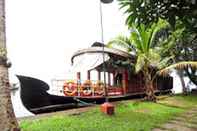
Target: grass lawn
129, 116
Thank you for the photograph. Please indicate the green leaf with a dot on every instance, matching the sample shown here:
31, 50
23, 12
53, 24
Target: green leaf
154, 58
140, 62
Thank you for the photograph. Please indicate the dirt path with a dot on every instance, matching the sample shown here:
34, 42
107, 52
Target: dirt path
184, 122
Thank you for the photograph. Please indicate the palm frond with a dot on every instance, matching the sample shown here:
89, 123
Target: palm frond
153, 57
164, 62
140, 62
121, 41
145, 36
161, 24
179, 65
136, 38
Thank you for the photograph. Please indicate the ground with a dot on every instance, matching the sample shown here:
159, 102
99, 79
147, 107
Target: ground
185, 122
170, 113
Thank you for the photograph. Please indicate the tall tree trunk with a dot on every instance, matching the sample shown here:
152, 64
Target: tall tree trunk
149, 86
8, 120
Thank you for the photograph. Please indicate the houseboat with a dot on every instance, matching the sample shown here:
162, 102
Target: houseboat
115, 79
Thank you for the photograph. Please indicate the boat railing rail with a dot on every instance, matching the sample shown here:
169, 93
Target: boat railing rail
85, 87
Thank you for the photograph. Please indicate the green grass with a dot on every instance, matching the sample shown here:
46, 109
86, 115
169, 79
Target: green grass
181, 101
129, 116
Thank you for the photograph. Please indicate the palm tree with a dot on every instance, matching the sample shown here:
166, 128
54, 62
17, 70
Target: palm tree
142, 43
8, 121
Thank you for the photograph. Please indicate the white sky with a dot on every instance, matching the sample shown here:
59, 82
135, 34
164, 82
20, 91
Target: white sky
42, 35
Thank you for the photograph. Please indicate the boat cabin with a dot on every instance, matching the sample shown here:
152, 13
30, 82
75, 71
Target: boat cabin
115, 75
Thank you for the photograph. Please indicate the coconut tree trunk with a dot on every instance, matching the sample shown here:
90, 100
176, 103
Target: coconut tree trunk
149, 85
8, 120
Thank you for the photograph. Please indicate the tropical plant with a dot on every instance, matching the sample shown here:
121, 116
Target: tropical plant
183, 47
142, 43
185, 50
181, 14
150, 11
8, 121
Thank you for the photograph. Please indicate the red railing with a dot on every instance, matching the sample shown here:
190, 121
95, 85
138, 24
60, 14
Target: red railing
86, 88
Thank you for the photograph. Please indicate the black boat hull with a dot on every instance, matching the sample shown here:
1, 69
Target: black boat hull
35, 98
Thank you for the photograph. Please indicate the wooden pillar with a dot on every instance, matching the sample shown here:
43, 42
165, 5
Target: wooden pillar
78, 76
109, 79
113, 78
99, 75
125, 81
88, 75
78, 82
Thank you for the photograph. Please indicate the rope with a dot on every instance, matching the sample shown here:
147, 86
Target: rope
83, 102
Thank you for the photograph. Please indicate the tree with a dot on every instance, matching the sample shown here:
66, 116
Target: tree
183, 47
185, 51
7, 117
142, 44
180, 14
150, 11
175, 38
